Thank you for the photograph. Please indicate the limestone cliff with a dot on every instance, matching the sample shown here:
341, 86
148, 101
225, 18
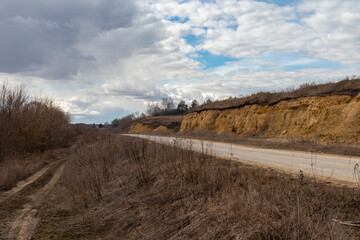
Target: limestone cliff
327, 118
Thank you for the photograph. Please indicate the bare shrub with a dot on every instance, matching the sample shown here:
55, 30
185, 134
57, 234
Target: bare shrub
30, 125
90, 166
163, 192
140, 158
11, 103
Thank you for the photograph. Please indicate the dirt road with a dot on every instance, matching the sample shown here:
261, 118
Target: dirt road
19, 206
324, 166
20, 185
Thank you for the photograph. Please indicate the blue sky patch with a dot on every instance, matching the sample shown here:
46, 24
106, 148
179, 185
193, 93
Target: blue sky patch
223, 65
193, 40
178, 19
211, 61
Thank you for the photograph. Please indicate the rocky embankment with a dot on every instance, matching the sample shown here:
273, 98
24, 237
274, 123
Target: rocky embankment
161, 124
326, 118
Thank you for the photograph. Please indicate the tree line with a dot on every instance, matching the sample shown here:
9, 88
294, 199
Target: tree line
165, 108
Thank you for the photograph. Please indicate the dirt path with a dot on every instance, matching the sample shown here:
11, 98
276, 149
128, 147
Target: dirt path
23, 183
25, 219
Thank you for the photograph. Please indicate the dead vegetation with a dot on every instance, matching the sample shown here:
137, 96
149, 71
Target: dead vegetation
28, 127
90, 167
13, 203
127, 188
17, 168
347, 86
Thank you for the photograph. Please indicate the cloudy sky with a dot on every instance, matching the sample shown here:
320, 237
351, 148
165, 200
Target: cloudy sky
102, 59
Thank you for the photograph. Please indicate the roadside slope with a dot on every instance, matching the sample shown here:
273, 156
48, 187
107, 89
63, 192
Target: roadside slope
163, 192
327, 167
327, 118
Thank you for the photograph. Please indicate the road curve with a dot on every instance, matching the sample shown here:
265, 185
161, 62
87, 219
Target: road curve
324, 166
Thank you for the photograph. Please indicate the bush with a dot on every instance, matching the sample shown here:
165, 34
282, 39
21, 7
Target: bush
28, 126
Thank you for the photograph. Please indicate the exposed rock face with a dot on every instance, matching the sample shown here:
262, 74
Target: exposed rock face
143, 128
140, 128
157, 124
162, 129
327, 118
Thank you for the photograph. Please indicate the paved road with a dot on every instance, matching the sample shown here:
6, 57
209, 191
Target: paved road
331, 167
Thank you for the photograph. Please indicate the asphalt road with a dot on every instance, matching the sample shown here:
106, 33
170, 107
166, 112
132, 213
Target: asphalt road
324, 166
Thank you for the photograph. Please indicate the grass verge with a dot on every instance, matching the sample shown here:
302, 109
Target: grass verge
154, 191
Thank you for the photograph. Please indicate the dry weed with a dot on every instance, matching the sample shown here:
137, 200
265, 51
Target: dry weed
18, 168
90, 166
163, 192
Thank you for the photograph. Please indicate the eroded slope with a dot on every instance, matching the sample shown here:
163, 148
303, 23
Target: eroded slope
327, 118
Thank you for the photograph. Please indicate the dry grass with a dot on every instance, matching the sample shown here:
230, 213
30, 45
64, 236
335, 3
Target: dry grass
18, 168
347, 86
90, 166
162, 192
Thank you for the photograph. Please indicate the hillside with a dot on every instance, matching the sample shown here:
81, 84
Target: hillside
327, 112
345, 87
157, 124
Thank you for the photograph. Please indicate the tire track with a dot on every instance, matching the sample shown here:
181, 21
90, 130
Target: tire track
24, 183
25, 221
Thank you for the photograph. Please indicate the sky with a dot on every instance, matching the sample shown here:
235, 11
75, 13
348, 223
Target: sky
103, 59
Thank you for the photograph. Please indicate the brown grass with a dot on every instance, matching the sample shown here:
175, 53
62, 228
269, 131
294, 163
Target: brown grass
11, 205
347, 86
90, 166
162, 192
18, 168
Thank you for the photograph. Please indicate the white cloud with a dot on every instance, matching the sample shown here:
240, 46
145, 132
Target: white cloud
244, 83
337, 27
326, 29
102, 57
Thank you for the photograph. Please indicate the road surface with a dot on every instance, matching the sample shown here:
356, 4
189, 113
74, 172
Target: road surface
324, 166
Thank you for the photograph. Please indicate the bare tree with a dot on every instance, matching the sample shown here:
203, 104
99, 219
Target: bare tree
167, 104
182, 107
194, 104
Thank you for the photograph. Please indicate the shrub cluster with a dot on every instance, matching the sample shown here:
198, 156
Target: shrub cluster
28, 126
